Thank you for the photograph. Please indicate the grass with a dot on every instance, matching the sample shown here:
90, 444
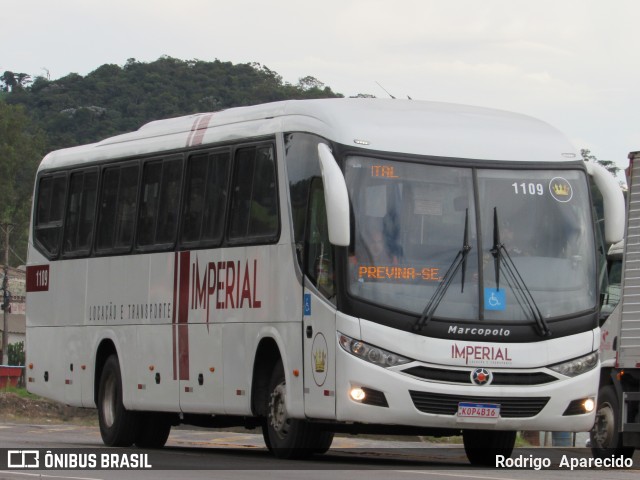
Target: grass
521, 442
20, 391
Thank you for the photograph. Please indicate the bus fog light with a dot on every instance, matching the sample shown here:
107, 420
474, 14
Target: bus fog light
580, 406
357, 394
589, 404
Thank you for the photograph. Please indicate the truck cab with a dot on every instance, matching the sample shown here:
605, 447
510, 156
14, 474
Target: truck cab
617, 426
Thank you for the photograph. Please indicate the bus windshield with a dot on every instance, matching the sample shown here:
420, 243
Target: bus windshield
412, 220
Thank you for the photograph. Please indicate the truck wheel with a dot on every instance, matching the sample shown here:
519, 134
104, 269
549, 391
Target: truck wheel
482, 446
285, 437
605, 436
153, 430
117, 424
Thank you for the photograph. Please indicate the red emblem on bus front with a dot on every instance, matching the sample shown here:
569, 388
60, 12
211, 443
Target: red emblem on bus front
481, 376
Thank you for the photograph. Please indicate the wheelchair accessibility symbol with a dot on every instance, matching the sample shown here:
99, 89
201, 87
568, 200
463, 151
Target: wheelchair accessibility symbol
495, 299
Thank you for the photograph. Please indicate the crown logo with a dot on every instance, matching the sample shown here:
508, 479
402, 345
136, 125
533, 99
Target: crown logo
561, 190
320, 360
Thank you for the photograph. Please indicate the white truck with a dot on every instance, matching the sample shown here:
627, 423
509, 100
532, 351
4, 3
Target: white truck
617, 427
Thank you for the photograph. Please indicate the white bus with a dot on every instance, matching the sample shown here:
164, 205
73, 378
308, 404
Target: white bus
321, 266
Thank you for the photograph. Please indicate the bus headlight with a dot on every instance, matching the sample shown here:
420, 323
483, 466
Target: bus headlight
577, 366
370, 353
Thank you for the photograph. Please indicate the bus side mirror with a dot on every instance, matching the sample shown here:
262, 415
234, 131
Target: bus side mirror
336, 198
614, 208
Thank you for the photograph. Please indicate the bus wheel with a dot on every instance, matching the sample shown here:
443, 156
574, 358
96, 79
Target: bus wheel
117, 425
153, 430
322, 442
605, 437
482, 446
285, 437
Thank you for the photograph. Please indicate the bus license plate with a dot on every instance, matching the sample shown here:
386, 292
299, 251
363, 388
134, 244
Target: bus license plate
479, 410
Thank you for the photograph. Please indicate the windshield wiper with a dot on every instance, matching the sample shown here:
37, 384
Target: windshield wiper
501, 258
459, 261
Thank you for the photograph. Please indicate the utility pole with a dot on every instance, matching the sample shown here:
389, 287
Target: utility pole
5, 296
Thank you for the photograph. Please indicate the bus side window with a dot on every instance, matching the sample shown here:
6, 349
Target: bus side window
49, 211
205, 198
301, 153
254, 201
194, 199
151, 177
80, 215
216, 197
125, 220
159, 203
167, 223
117, 208
320, 253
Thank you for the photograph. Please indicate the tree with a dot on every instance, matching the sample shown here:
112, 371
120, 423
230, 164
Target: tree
12, 82
8, 81
129, 96
16, 354
310, 83
23, 79
21, 150
608, 164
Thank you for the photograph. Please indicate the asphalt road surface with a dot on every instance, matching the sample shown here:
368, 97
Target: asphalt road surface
215, 454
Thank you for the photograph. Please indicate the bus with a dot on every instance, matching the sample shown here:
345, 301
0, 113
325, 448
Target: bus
320, 266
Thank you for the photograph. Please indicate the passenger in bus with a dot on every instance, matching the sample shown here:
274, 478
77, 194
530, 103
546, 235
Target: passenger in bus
380, 251
511, 243
373, 247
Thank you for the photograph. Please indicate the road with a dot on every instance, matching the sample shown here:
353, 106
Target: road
199, 453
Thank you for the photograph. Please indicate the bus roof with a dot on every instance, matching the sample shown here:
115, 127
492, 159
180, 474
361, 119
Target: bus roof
404, 126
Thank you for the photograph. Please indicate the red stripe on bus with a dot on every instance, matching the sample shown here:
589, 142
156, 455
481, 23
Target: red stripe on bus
197, 130
203, 123
173, 314
183, 316
193, 129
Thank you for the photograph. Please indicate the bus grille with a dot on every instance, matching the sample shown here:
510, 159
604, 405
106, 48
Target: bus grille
510, 407
464, 376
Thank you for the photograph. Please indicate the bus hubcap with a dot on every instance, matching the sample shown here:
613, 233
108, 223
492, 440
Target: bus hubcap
109, 401
278, 411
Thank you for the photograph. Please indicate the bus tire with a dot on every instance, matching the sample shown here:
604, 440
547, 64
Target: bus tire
322, 441
285, 437
482, 446
605, 436
153, 430
117, 424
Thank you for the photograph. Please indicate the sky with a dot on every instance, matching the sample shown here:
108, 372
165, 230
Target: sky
571, 63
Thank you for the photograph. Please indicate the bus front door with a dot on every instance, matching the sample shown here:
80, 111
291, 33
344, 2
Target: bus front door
319, 355
319, 311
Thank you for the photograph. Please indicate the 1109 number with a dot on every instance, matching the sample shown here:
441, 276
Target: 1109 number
528, 188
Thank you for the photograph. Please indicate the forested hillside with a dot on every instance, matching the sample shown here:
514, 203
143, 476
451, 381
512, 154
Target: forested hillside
43, 115
112, 99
